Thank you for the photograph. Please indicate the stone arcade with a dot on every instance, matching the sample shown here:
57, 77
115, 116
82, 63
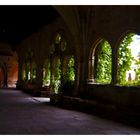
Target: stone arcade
65, 48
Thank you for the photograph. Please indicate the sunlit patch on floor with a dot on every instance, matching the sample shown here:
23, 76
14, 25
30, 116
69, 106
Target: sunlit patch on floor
41, 99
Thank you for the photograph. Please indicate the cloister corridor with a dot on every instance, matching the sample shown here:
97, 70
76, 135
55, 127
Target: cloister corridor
21, 113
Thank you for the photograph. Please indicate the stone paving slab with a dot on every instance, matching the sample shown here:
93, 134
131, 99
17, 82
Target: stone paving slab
23, 114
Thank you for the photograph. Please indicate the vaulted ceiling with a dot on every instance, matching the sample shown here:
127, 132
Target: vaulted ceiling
18, 22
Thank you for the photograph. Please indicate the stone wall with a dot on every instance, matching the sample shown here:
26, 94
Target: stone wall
82, 27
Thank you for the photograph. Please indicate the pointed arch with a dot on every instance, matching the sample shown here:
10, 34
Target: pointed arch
127, 62
91, 59
100, 62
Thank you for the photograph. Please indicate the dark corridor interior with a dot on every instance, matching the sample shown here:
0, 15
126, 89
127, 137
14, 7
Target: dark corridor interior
77, 56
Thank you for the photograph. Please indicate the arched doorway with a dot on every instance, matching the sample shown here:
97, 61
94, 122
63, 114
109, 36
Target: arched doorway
69, 75
46, 73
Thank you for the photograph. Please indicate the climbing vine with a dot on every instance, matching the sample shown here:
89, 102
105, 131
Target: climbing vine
125, 59
46, 74
104, 63
56, 83
69, 77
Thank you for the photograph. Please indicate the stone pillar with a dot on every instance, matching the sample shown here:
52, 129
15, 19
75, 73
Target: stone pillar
39, 74
20, 76
20, 65
51, 69
83, 72
77, 74
91, 69
5, 81
114, 67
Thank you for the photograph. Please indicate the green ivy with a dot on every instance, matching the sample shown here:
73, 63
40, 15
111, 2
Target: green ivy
69, 77
56, 83
137, 70
46, 76
104, 63
124, 59
70, 74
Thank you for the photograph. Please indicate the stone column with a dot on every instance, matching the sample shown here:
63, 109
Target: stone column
114, 67
5, 82
39, 74
20, 65
91, 69
77, 74
81, 65
51, 69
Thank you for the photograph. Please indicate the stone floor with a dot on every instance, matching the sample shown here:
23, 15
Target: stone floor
23, 114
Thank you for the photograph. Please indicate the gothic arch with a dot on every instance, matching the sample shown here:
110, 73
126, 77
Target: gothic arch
119, 58
91, 59
121, 37
92, 55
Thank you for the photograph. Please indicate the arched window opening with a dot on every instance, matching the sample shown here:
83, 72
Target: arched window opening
57, 58
69, 74
62, 70
129, 60
103, 63
56, 80
31, 72
29, 67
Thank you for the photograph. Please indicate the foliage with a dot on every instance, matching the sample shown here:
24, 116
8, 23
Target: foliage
124, 59
57, 76
137, 70
46, 74
55, 86
70, 74
57, 73
33, 71
104, 63
69, 77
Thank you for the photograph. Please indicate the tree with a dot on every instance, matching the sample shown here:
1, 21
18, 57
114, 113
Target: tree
104, 63
124, 59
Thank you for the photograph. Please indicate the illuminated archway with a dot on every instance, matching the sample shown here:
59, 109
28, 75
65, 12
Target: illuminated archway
128, 72
69, 75
100, 64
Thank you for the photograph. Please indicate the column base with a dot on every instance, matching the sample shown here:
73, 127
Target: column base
90, 81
